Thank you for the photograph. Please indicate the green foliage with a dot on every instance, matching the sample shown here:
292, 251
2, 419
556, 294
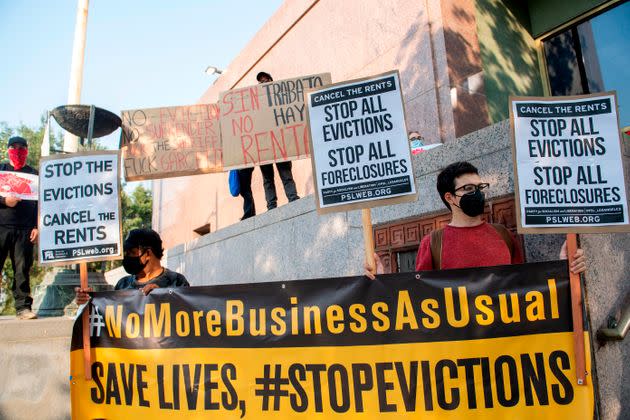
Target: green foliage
34, 137
136, 211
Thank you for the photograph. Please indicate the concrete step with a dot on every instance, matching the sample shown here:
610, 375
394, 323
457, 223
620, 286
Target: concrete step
35, 368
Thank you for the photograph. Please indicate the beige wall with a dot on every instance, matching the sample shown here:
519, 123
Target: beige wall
349, 39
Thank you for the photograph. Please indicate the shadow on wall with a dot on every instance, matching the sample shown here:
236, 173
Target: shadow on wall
415, 64
416, 61
508, 54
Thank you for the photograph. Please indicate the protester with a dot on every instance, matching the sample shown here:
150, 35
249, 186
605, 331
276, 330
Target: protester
143, 252
284, 169
468, 241
18, 230
245, 185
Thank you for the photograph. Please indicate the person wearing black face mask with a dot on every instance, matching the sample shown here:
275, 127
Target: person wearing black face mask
143, 252
468, 241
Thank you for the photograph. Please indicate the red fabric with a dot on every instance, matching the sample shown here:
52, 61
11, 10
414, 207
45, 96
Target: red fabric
467, 247
17, 157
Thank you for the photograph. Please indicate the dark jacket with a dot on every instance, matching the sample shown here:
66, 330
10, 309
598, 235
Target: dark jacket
24, 214
167, 279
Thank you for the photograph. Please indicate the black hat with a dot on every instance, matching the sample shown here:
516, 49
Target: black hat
17, 140
263, 74
144, 238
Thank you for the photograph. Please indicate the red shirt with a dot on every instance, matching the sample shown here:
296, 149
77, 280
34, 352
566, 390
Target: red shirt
466, 247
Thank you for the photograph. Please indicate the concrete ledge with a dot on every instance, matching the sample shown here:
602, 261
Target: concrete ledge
35, 366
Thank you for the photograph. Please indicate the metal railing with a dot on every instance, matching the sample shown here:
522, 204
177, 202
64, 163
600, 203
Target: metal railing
616, 330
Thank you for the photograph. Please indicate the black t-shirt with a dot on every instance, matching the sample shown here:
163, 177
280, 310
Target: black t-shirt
24, 214
168, 278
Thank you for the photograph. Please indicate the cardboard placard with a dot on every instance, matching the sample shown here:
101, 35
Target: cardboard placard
569, 175
19, 184
361, 154
266, 123
79, 208
173, 141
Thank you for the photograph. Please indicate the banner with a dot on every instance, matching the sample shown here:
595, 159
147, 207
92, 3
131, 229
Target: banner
568, 165
361, 153
79, 208
19, 184
174, 141
475, 343
266, 123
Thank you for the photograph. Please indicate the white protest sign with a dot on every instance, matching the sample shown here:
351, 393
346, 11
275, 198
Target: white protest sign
19, 184
568, 164
359, 145
79, 211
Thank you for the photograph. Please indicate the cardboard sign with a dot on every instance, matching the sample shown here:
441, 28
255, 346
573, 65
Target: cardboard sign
361, 155
167, 142
266, 123
19, 184
79, 208
482, 343
568, 167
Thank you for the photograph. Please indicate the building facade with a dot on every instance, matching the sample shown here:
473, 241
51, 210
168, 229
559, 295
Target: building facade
459, 61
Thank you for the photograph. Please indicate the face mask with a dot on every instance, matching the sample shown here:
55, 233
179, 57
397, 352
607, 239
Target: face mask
133, 265
472, 204
17, 157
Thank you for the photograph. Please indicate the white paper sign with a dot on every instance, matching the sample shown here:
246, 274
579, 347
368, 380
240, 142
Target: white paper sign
360, 148
568, 162
19, 184
79, 212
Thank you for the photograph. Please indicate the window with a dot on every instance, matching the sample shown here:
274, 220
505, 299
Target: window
593, 56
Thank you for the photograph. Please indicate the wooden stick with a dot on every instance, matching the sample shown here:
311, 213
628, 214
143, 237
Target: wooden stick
87, 363
368, 239
576, 309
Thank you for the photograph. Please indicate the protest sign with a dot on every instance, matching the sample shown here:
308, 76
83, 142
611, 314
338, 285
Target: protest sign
361, 155
266, 123
568, 166
79, 208
492, 342
19, 184
173, 141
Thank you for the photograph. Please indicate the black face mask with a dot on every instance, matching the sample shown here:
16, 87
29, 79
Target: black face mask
133, 265
472, 204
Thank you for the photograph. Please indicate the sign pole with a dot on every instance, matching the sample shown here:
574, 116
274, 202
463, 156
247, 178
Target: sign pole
368, 238
83, 272
87, 363
576, 310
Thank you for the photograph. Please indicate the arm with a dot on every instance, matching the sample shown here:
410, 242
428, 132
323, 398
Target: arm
379, 269
578, 265
424, 259
517, 250
10, 201
82, 295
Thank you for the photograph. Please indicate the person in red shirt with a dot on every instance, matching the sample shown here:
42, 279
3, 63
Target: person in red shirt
468, 241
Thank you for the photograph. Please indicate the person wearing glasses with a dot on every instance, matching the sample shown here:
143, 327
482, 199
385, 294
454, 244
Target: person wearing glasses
468, 241
143, 252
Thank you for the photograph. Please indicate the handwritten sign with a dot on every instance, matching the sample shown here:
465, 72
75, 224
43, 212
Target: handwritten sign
568, 164
361, 154
19, 184
174, 141
79, 211
266, 123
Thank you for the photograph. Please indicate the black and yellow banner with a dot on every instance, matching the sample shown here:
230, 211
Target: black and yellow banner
475, 343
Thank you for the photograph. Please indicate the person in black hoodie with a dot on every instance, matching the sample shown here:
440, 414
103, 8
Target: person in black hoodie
143, 252
18, 230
